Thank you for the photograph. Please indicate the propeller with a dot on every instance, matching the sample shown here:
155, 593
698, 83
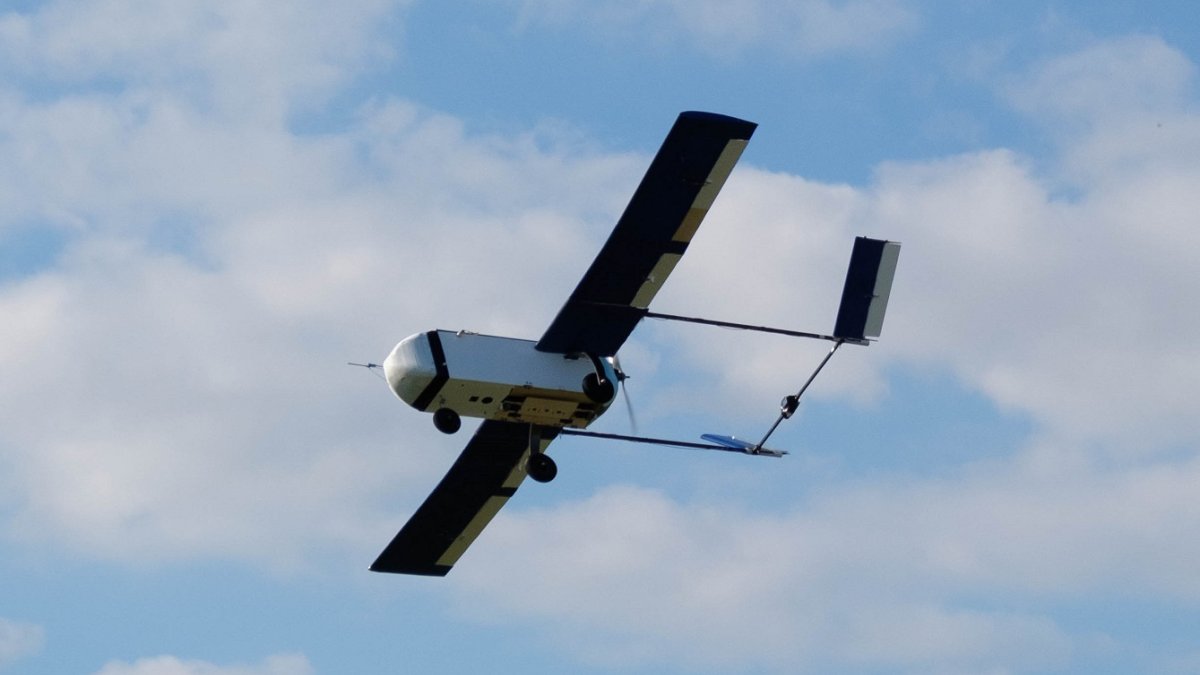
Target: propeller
621, 377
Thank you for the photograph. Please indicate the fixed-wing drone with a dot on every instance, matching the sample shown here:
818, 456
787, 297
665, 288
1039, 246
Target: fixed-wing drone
528, 393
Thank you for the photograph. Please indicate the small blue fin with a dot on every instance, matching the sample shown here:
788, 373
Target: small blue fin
728, 441
734, 443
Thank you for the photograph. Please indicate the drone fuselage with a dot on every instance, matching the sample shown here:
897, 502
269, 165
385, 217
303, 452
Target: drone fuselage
496, 378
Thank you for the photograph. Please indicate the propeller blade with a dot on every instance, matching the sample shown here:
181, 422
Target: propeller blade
621, 377
629, 409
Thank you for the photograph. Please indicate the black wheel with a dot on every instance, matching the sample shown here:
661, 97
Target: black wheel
541, 468
598, 390
446, 420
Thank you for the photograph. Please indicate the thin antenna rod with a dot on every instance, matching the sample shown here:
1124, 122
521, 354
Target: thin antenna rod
372, 368
790, 403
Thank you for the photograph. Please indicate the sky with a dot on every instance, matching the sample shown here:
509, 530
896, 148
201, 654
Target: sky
208, 207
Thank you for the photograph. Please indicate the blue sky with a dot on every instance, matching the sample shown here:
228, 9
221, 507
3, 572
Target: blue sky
207, 208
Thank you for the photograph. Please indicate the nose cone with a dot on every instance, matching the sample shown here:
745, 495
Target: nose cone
410, 368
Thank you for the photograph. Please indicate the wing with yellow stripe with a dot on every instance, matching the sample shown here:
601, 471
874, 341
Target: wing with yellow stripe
485, 475
652, 235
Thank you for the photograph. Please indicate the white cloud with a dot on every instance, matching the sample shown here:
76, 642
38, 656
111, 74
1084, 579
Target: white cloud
1068, 309
1123, 111
1062, 309
1065, 307
239, 58
1151, 77
804, 28
201, 374
629, 576
18, 640
887, 574
175, 380
196, 403
186, 398
167, 418
282, 664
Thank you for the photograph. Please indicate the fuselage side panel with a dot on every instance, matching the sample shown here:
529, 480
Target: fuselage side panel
491, 377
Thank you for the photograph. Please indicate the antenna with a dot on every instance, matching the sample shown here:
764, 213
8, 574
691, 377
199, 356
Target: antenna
371, 367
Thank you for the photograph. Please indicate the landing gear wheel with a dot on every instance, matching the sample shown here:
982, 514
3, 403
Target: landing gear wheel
446, 420
541, 468
598, 390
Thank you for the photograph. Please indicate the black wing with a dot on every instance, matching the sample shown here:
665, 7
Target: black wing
485, 475
651, 236
673, 197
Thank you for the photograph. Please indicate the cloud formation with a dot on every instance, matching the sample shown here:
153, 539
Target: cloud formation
175, 387
171, 372
1063, 306
807, 28
233, 58
282, 664
1052, 290
18, 640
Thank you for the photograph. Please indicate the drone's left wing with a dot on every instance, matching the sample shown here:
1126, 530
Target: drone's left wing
651, 236
485, 475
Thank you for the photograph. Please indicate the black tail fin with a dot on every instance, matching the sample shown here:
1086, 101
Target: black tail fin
868, 285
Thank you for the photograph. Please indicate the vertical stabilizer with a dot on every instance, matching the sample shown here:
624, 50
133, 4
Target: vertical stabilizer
868, 285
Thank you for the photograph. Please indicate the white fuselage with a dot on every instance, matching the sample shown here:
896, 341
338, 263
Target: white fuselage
494, 378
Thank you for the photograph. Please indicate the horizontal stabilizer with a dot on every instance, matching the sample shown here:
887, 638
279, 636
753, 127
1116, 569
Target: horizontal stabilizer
868, 285
728, 441
734, 443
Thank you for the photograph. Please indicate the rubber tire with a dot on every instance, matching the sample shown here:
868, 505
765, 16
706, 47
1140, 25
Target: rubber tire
541, 467
446, 420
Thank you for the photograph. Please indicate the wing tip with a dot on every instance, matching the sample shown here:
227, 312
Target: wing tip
738, 128
423, 571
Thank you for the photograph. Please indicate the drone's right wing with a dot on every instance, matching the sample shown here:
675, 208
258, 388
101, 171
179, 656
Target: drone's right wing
651, 236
